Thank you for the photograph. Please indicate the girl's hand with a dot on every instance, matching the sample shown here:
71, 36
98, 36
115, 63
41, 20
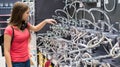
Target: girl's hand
50, 21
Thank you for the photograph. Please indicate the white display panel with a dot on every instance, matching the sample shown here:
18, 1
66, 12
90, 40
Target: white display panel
33, 50
2, 62
119, 1
0, 52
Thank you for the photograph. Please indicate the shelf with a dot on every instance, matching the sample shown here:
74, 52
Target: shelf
4, 15
5, 7
2, 28
3, 22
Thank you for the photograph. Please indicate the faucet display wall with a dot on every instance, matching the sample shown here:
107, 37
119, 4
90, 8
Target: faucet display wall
89, 43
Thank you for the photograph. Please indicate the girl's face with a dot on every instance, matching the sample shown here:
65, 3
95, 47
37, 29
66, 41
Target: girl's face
26, 15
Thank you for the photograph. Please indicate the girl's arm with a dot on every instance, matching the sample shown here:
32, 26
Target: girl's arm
42, 24
7, 45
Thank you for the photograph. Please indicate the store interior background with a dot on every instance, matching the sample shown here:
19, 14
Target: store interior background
46, 9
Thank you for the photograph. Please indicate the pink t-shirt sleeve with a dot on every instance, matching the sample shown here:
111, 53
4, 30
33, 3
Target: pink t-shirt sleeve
8, 30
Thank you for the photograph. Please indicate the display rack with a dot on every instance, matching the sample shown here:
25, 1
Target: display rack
90, 41
90, 1
3, 22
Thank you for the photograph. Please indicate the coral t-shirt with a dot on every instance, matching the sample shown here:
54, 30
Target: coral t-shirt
19, 48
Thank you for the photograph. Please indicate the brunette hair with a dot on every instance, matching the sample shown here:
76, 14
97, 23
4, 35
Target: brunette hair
18, 10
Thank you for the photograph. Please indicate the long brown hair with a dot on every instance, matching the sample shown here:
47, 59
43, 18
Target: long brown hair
18, 10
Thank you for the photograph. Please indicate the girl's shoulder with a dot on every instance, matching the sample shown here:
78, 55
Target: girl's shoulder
8, 30
11, 26
8, 27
